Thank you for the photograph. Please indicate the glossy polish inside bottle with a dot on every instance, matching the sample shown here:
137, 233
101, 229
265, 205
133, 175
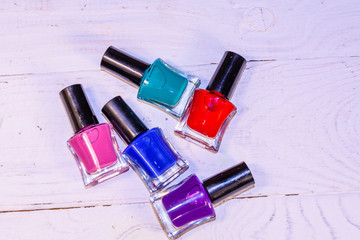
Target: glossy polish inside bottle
148, 152
210, 111
191, 202
96, 138
159, 83
93, 145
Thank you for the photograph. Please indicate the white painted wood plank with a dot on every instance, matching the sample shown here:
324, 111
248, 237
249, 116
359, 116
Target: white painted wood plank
296, 128
53, 36
332, 216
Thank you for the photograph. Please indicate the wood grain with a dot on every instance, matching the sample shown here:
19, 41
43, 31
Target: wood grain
297, 125
50, 36
294, 134
316, 216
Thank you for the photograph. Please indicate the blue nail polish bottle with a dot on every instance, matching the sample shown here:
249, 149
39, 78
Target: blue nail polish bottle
148, 152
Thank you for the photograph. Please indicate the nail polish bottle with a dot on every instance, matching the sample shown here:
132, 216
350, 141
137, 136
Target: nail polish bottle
159, 83
148, 152
93, 145
191, 202
210, 111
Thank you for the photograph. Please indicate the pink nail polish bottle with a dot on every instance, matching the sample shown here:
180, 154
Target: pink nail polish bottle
94, 145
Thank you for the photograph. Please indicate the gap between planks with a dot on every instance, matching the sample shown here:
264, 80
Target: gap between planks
182, 66
145, 202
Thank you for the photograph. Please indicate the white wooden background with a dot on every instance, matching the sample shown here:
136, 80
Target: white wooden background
297, 127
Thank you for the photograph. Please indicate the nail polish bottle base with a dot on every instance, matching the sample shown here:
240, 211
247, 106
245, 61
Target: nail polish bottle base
178, 110
201, 141
171, 231
211, 144
155, 184
105, 174
92, 179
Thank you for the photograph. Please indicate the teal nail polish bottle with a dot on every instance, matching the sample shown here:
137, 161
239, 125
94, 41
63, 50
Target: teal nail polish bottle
159, 83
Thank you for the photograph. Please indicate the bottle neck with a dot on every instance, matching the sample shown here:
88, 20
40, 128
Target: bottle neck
128, 141
218, 94
88, 127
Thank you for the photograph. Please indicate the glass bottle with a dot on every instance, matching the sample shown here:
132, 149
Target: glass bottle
93, 145
191, 202
148, 152
210, 110
159, 83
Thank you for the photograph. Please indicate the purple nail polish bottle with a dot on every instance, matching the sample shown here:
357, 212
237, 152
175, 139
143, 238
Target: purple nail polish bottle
191, 202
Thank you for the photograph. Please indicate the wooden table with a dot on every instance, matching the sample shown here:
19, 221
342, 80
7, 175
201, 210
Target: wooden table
297, 126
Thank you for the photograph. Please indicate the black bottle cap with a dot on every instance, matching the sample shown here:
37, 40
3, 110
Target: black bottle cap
123, 119
77, 107
229, 182
227, 74
123, 66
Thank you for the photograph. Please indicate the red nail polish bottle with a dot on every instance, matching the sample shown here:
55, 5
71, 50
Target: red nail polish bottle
210, 111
